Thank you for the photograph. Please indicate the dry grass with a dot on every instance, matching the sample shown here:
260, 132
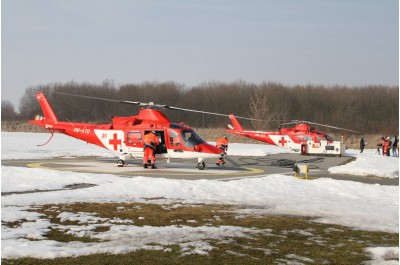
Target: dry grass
289, 239
17, 126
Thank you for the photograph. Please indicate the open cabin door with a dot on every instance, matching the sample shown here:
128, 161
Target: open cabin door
161, 148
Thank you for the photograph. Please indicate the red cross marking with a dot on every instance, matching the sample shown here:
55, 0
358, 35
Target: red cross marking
115, 141
283, 141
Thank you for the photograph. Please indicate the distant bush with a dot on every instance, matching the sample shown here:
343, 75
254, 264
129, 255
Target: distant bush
370, 109
7, 111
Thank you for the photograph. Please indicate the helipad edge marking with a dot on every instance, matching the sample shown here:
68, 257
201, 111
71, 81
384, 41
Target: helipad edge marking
252, 171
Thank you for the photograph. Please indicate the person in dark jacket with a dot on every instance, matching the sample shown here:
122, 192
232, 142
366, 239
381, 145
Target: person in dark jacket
394, 146
362, 145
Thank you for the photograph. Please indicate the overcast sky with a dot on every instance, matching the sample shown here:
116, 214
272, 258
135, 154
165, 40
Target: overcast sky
346, 42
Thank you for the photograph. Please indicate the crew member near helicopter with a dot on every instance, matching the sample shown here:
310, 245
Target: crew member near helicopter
222, 143
386, 146
383, 144
150, 144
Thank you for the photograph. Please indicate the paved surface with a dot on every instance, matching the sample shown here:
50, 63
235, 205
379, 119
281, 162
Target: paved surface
236, 167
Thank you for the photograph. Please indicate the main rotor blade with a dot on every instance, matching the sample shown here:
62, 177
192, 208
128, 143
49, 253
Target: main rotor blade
314, 123
104, 99
291, 122
207, 112
333, 127
152, 105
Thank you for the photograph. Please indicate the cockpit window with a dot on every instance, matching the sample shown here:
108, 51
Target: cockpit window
307, 138
190, 138
174, 138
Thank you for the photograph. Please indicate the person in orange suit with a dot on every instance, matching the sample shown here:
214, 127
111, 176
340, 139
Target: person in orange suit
150, 144
222, 143
386, 146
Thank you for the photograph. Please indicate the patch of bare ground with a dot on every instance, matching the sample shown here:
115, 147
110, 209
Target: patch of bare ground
272, 239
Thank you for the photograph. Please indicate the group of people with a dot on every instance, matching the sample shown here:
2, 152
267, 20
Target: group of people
389, 145
152, 140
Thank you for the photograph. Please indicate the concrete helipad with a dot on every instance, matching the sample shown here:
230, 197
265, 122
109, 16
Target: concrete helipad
236, 167
177, 169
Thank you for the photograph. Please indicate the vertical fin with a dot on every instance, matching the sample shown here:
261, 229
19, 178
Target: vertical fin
236, 124
46, 108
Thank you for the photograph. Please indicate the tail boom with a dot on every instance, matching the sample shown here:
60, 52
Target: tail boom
256, 135
82, 131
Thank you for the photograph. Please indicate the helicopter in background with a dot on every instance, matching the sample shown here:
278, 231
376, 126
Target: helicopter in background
302, 138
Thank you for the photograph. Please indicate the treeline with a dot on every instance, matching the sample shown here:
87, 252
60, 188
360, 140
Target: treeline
371, 109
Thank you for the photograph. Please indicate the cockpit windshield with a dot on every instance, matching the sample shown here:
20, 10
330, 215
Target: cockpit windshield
190, 138
184, 138
328, 138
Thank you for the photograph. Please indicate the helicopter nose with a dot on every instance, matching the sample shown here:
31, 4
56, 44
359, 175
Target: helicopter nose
208, 148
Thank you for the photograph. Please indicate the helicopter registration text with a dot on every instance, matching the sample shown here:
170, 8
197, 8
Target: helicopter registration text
81, 130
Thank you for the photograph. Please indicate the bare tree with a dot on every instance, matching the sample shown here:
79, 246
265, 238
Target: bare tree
260, 109
7, 111
270, 103
369, 109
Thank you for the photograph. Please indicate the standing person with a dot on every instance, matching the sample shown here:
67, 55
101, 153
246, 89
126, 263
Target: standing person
362, 145
386, 146
222, 143
150, 144
383, 145
394, 146
389, 145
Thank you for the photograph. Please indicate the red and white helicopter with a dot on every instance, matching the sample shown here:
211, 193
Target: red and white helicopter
124, 135
302, 138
